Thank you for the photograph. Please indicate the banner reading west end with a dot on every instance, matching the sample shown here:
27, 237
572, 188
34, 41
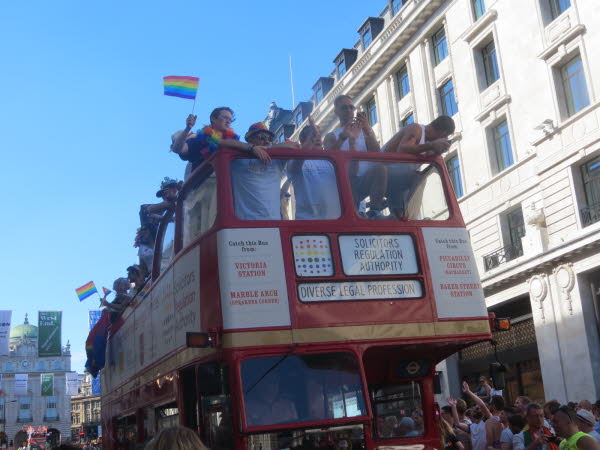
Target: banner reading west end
4, 331
47, 384
49, 333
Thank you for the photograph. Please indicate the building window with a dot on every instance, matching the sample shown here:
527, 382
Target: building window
453, 166
478, 8
367, 38
490, 63
298, 118
408, 120
447, 99
372, 111
24, 409
515, 227
1, 409
502, 146
319, 94
590, 176
440, 46
403, 82
397, 6
557, 7
574, 86
51, 413
341, 68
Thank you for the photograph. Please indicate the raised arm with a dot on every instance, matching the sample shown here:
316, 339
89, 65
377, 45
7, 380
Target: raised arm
463, 426
180, 146
369, 134
484, 409
255, 150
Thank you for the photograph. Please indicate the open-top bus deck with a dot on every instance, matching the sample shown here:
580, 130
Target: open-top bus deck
324, 329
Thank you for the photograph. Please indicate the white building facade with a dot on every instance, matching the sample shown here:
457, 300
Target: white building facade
18, 412
518, 79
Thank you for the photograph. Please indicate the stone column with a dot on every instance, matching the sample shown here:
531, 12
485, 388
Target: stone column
547, 337
577, 334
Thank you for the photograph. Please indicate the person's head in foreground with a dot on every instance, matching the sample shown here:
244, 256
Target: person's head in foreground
176, 438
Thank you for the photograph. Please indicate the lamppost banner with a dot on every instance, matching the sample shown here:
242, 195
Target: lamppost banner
4, 331
21, 384
72, 383
49, 332
47, 384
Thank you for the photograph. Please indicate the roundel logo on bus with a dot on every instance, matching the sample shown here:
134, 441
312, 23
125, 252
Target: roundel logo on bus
312, 256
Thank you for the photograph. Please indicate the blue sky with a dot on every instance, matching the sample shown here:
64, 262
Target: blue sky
85, 129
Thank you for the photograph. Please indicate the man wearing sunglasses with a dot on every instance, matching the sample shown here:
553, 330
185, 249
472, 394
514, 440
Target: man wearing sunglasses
565, 424
355, 133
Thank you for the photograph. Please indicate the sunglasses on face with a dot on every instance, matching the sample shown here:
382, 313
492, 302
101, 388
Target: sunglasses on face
264, 137
350, 107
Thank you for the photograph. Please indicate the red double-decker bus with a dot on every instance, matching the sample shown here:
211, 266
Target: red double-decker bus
322, 325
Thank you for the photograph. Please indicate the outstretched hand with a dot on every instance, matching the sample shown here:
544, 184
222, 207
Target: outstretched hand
451, 401
465, 388
190, 122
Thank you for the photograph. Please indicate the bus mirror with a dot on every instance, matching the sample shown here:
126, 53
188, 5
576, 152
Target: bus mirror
497, 373
437, 383
197, 340
501, 324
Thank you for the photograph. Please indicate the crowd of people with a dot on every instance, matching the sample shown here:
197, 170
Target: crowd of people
492, 424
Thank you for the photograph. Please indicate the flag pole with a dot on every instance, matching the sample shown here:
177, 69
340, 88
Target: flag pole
292, 83
194, 105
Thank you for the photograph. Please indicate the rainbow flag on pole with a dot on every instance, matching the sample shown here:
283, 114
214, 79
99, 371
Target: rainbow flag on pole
86, 290
184, 87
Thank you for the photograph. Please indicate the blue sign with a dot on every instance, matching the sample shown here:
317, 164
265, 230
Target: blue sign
94, 317
96, 390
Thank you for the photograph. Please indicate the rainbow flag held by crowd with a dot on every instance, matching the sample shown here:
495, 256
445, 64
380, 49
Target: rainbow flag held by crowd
184, 87
86, 290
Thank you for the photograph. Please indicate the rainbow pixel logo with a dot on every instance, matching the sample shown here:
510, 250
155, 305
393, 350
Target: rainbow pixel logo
312, 256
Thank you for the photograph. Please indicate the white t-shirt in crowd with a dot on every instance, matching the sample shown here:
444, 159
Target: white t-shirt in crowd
256, 188
315, 190
478, 435
506, 437
595, 435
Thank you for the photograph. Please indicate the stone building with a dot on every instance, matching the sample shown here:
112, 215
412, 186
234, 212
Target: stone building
85, 412
518, 79
17, 413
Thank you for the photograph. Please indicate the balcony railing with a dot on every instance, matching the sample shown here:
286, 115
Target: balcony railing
501, 256
590, 214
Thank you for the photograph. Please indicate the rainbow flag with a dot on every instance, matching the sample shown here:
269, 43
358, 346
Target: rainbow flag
86, 290
106, 291
184, 87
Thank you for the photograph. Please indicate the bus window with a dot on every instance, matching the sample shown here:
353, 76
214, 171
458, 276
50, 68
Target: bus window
410, 191
291, 189
398, 410
168, 245
199, 209
167, 416
215, 403
301, 388
339, 437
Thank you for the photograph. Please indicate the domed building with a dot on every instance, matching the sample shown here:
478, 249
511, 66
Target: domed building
50, 414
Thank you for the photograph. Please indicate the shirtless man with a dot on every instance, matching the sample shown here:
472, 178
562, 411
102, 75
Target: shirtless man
416, 138
413, 139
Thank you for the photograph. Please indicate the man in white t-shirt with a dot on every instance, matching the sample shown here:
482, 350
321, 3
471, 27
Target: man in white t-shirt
314, 182
355, 133
256, 184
